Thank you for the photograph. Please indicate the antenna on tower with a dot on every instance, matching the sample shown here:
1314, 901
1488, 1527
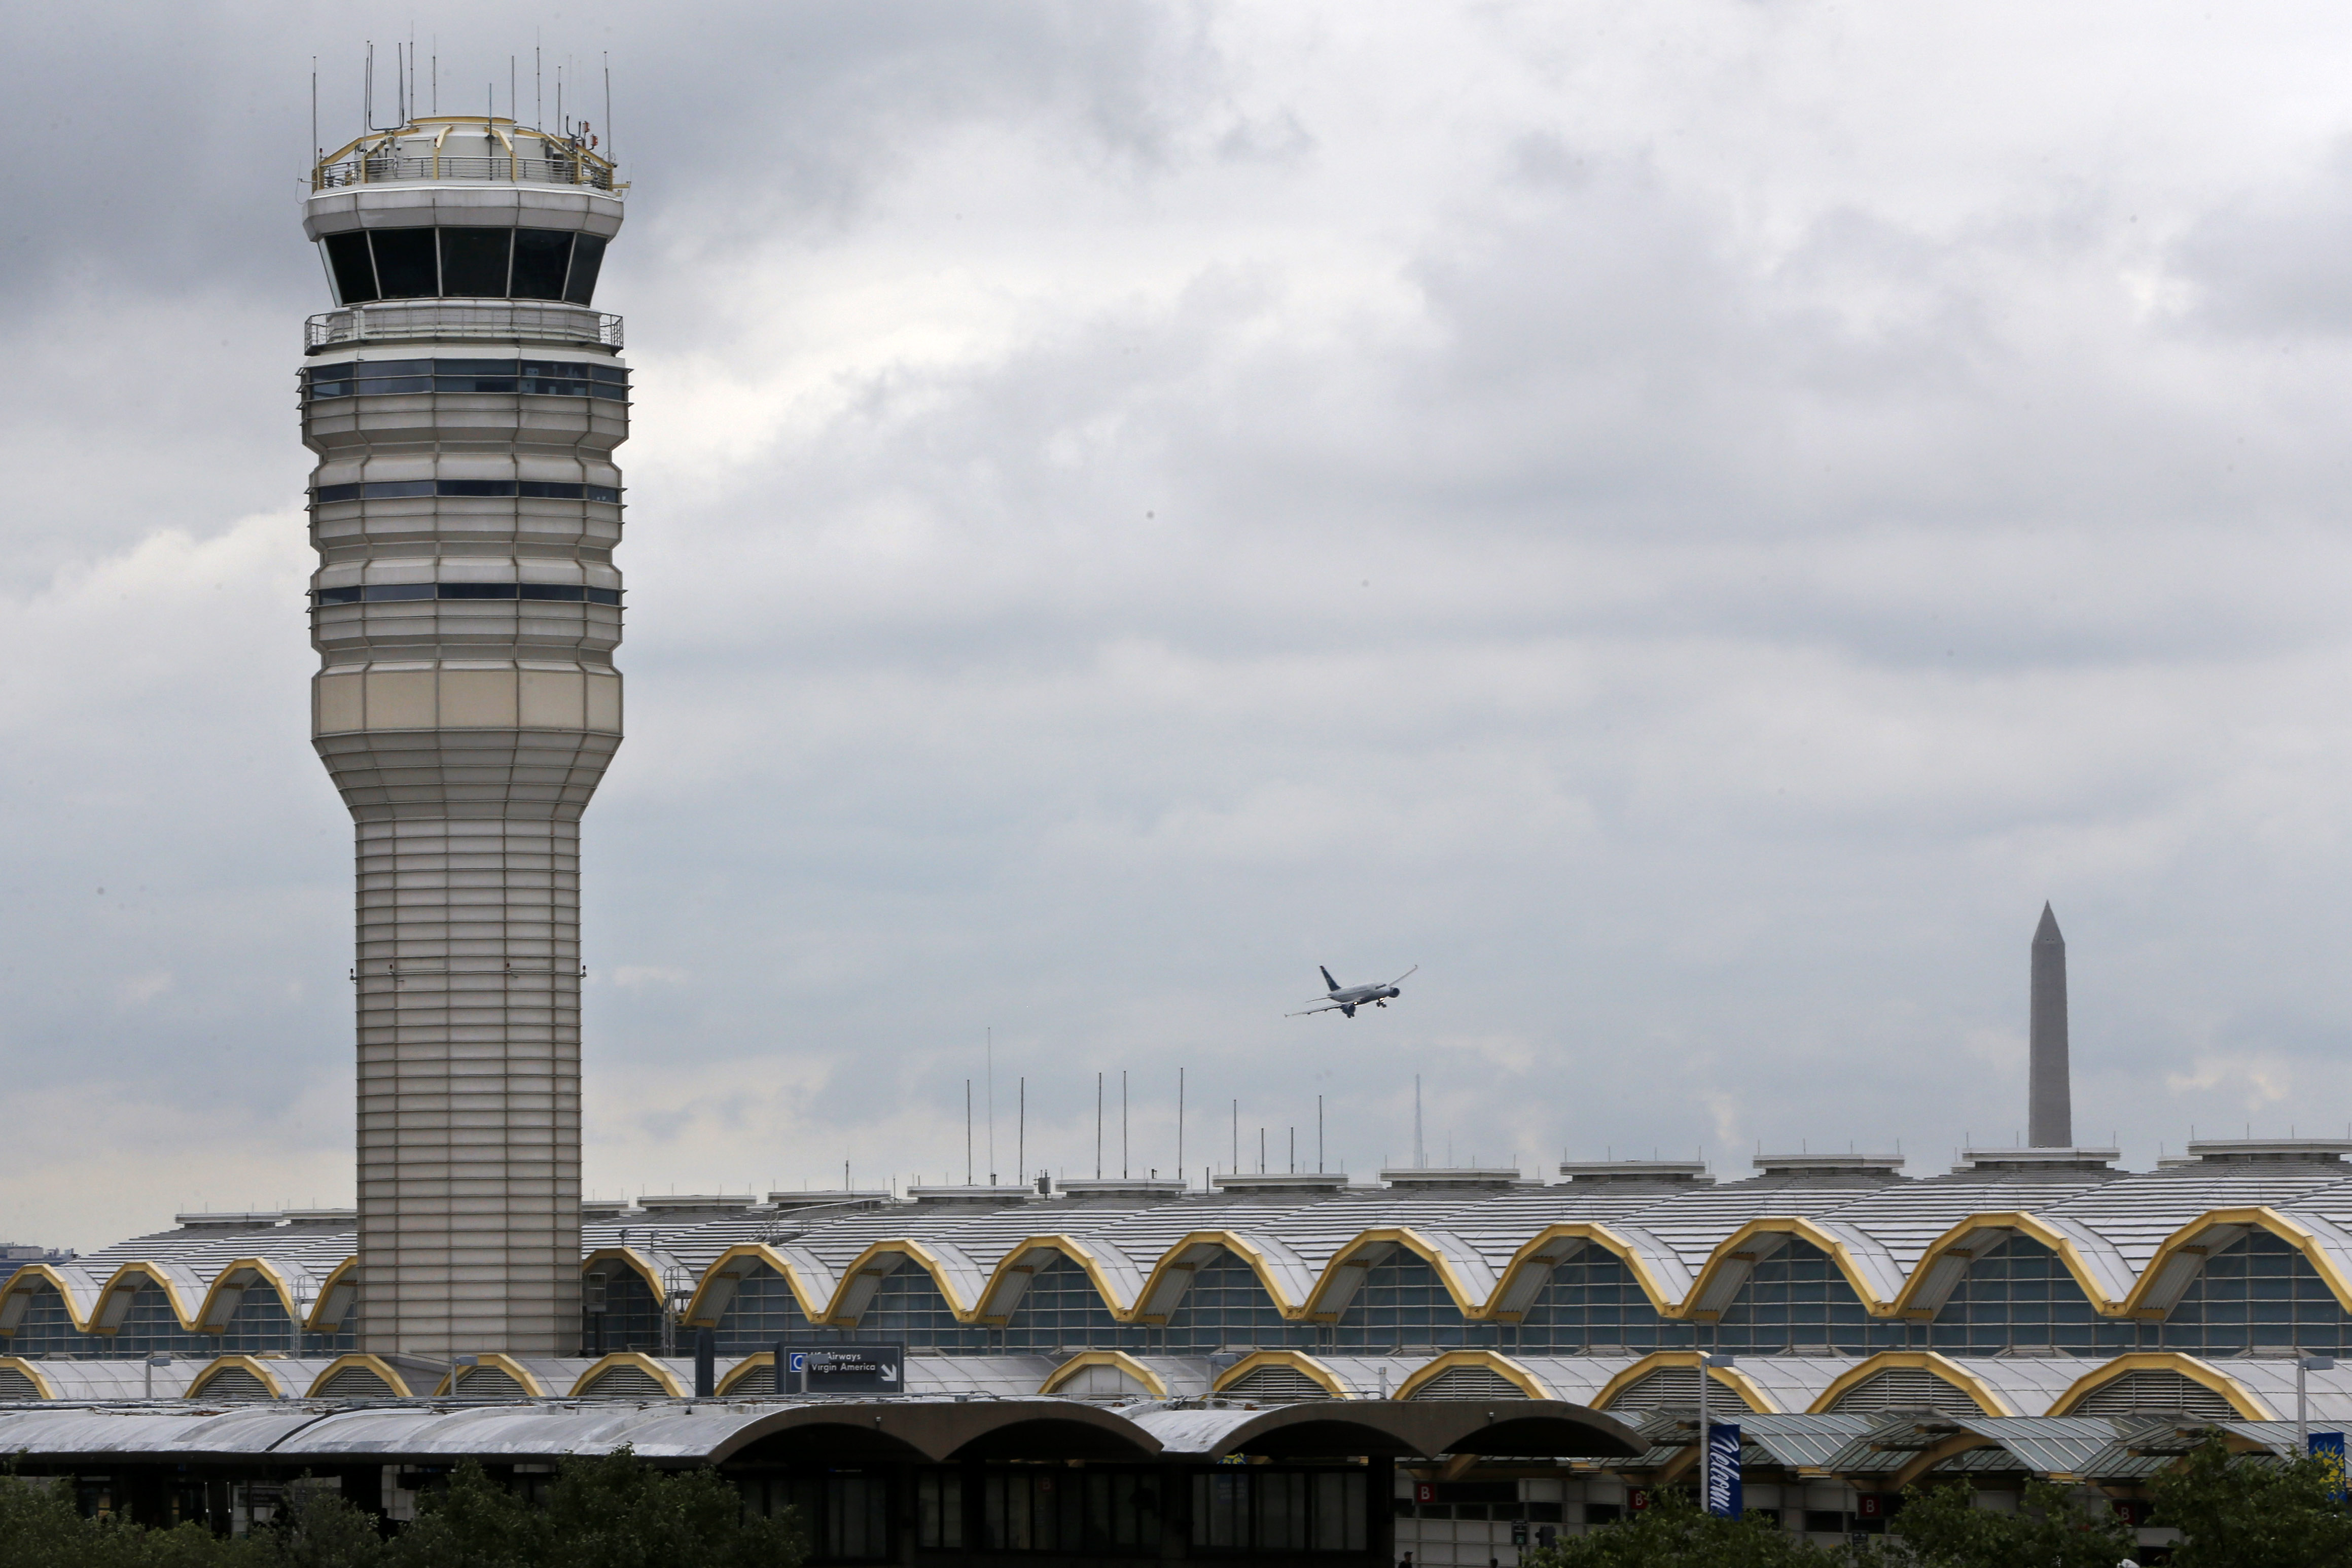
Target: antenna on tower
1180, 1122
433, 72
610, 155
992, 1106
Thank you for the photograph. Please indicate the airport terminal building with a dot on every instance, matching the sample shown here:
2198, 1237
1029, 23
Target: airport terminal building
2025, 1313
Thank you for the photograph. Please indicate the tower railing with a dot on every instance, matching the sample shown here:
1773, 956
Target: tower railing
379, 168
501, 320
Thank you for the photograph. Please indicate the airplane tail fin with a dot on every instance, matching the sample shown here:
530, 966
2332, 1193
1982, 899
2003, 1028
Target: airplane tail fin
1327, 982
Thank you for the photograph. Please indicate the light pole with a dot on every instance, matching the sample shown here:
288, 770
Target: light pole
2305, 1363
159, 1358
1706, 1441
457, 1361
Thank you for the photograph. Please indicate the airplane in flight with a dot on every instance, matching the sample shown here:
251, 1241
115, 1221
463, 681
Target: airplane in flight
1347, 998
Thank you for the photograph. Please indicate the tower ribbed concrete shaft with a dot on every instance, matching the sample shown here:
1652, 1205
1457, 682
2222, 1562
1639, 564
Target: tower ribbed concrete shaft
2049, 1108
463, 402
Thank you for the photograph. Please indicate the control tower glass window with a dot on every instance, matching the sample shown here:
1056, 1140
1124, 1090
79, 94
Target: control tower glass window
542, 258
474, 262
464, 263
405, 263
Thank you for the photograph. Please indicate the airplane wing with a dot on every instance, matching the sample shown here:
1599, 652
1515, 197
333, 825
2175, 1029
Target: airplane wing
1325, 1008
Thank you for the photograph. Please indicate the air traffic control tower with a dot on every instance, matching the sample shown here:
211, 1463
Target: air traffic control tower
463, 399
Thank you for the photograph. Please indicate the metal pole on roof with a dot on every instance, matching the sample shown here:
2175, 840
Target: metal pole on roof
2304, 1363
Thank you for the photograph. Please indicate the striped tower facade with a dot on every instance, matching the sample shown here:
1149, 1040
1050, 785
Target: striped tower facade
464, 400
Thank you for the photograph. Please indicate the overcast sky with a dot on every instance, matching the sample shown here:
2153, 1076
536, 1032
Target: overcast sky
1688, 521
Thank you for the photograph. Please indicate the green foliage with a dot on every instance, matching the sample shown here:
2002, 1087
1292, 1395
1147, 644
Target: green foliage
40, 1528
611, 1512
2055, 1528
1672, 1534
2249, 1511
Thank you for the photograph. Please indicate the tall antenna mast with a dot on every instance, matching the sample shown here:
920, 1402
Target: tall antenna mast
1180, 1123
1122, 1124
610, 155
1236, 1165
992, 1106
538, 87
967, 1132
433, 72
317, 152
1097, 1127
1021, 1137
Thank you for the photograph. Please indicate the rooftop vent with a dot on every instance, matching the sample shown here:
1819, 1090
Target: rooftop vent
2270, 1151
596, 1211
1874, 1167
1453, 1178
322, 1217
975, 1192
1137, 1189
1590, 1173
1996, 1160
254, 1221
1281, 1181
694, 1203
863, 1197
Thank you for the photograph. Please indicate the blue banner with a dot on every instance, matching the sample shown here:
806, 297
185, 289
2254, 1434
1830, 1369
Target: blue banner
2328, 1447
1723, 1471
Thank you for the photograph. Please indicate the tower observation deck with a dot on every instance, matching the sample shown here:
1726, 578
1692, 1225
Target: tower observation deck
464, 399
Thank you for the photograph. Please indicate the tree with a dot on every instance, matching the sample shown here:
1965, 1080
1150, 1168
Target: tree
1943, 1527
1672, 1534
2252, 1510
320, 1530
41, 1528
610, 1512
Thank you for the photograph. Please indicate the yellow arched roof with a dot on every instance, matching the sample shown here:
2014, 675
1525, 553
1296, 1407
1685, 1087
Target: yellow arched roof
260, 1368
1297, 1361
1249, 1249
344, 1273
1988, 1398
451, 1384
2068, 1247
376, 1364
2244, 1400
32, 1370
2323, 1259
645, 1364
852, 1291
1741, 1386
240, 1274
986, 1310
1501, 1365
1537, 1254
1151, 1381
701, 1313
1469, 1300
760, 1361
628, 1258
